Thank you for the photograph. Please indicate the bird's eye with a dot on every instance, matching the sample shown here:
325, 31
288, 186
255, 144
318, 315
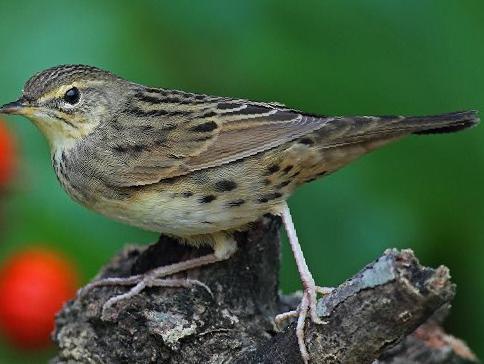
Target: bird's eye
72, 96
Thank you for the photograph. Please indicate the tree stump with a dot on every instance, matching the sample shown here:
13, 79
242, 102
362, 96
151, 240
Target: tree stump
388, 313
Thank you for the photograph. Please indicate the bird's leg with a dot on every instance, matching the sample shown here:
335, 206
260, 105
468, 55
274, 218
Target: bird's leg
224, 247
310, 290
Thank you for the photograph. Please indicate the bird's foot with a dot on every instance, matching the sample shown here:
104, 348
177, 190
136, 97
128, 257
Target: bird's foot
310, 293
139, 283
147, 281
159, 277
153, 278
306, 308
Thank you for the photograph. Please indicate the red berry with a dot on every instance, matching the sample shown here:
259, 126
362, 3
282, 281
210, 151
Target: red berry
6, 155
34, 284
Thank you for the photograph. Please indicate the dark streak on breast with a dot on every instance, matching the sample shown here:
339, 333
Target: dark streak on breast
61, 168
207, 199
288, 169
225, 185
159, 142
283, 184
316, 177
269, 196
235, 203
273, 168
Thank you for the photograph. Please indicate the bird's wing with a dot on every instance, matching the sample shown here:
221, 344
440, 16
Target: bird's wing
172, 143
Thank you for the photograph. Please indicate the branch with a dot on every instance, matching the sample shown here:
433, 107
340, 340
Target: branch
366, 316
431, 345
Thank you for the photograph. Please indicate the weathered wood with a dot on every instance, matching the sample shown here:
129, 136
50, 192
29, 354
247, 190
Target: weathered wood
366, 316
429, 344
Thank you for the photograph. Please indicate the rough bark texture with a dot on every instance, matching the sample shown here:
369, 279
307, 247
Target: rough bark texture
372, 318
428, 344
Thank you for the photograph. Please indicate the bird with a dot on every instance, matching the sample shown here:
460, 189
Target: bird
195, 166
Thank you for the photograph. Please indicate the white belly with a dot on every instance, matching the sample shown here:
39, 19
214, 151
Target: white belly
163, 213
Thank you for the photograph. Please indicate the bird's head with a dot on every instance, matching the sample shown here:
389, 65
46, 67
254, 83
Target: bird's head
67, 102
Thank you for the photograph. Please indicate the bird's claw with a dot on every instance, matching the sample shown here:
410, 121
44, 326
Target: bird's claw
139, 283
307, 305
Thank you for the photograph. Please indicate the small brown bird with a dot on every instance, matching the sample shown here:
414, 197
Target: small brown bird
195, 166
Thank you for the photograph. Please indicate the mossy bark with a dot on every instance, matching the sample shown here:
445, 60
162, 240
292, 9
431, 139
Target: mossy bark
371, 318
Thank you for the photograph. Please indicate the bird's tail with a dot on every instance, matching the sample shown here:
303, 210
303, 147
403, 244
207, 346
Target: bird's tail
444, 123
350, 130
341, 140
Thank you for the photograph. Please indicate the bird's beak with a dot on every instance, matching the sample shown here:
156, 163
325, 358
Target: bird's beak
16, 107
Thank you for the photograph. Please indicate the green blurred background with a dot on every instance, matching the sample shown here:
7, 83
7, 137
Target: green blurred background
330, 57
